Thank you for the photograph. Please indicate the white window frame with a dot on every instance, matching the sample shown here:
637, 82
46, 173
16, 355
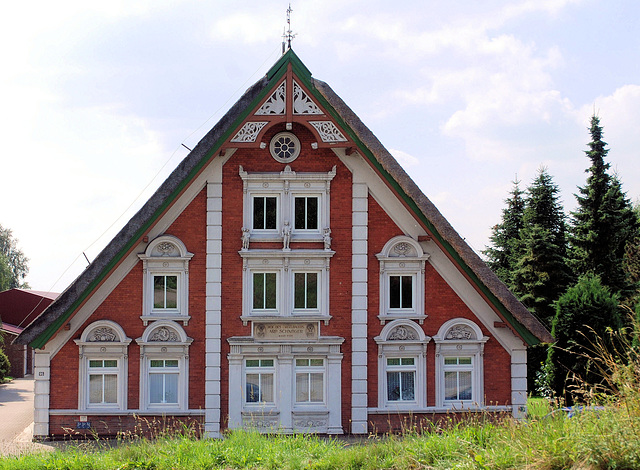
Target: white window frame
402, 339
460, 337
285, 264
260, 370
308, 370
304, 231
402, 256
319, 290
164, 371
164, 340
400, 369
166, 255
286, 186
103, 340
285, 415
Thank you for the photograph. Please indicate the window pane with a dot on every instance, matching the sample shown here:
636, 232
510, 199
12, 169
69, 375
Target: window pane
407, 292
393, 386
464, 360
253, 362
253, 388
316, 386
408, 385
258, 291
299, 290
271, 213
110, 388
155, 388
450, 360
158, 291
171, 388
316, 362
300, 213
258, 213
394, 291
157, 363
312, 290
171, 292
302, 387
270, 290
95, 388
312, 213
407, 361
450, 385
393, 361
266, 392
302, 362
95, 363
111, 363
171, 363
465, 385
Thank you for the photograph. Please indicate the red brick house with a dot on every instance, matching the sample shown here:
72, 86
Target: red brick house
18, 308
288, 276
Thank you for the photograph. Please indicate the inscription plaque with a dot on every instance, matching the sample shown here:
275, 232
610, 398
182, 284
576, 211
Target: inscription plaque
285, 331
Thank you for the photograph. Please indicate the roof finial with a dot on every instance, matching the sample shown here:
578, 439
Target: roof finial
288, 34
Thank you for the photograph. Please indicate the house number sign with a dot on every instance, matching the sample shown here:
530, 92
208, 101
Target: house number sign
285, 331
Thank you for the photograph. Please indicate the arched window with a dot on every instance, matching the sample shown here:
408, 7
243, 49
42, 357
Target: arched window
402, 383
164, 367
165, 289
102, 379
402, 266
459, 364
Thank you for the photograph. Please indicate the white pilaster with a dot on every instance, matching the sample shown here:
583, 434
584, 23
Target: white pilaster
41, 374
213, 325
519, 382
359, 237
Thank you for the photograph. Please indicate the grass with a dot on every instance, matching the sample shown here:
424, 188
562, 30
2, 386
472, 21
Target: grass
609, 438
604, 438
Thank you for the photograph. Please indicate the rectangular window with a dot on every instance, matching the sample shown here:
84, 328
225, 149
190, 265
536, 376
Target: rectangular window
401, 379
103, 381
163, 381
265, 213
165, 292
259, 380
457, 378
305, 291
264, 291
309, 380
306, 213
401, 292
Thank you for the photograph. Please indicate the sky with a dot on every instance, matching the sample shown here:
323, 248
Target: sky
98, 99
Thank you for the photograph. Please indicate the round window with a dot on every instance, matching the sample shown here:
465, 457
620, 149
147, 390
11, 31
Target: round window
285, 147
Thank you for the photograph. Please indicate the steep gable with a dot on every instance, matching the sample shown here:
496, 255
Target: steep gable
286, 95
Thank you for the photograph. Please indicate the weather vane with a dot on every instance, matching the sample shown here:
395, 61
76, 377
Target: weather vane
287, 35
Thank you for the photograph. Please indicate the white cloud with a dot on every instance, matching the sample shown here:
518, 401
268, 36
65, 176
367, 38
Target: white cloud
404, 158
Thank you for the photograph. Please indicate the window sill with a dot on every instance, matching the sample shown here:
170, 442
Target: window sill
172, 317
401, 316
285, 319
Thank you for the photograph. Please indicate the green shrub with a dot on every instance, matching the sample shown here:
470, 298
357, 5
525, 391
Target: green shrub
5, 365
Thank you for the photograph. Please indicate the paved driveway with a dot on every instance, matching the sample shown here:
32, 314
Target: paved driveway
16, 407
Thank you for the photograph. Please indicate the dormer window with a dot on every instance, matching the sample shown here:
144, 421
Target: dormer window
165, 290
402, 266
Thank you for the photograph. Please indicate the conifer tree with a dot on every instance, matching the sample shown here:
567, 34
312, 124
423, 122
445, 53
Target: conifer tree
501, 256
541, 273
583, 313
603, 223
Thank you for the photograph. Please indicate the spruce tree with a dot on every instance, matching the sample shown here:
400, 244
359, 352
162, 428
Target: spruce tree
541, 273
502, 256
603, 223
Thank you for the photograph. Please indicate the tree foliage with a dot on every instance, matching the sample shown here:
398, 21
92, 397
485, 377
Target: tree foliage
583, 314
604, 222
502, 255
13, 262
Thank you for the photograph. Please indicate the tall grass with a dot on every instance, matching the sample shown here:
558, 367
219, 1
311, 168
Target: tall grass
606, 437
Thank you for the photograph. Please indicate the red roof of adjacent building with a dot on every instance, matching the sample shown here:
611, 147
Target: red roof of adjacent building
19, 307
